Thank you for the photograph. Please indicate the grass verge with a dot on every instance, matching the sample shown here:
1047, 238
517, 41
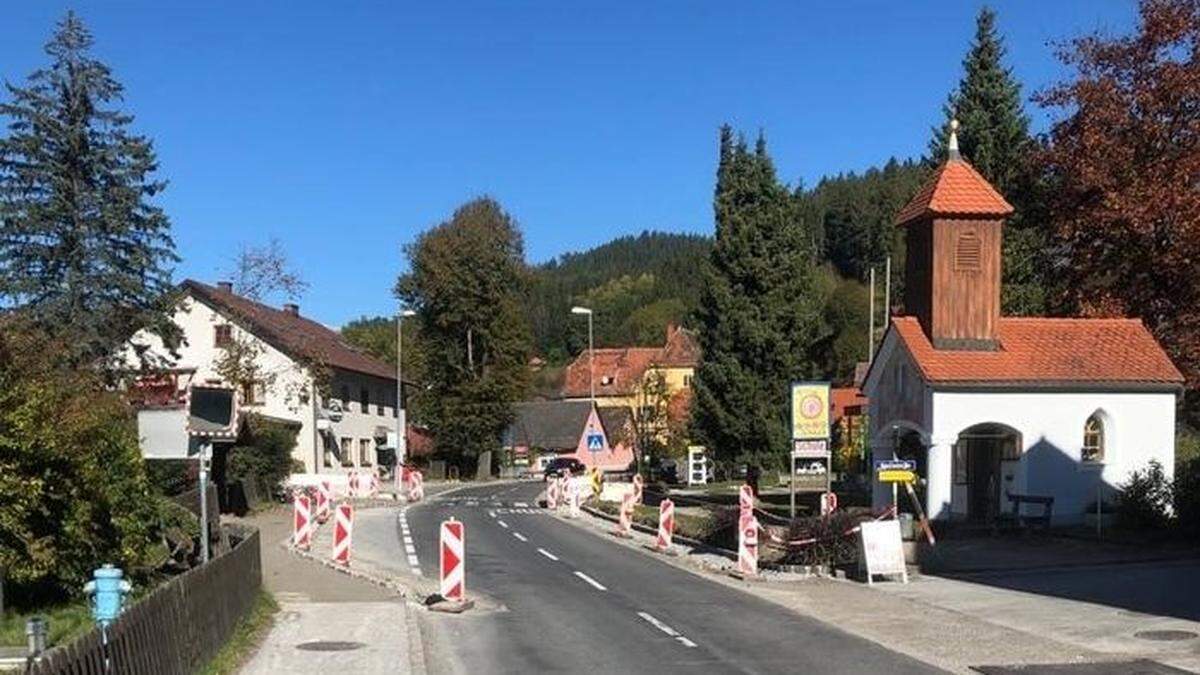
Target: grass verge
67, 622
246, 637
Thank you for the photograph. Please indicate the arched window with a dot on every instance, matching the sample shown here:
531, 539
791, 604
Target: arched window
1093, 439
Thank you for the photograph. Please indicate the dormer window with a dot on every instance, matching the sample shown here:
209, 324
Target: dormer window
968, 252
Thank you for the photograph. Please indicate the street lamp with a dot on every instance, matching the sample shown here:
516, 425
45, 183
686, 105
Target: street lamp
591, 351
401, 439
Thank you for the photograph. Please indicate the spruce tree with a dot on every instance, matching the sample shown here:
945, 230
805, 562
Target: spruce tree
84, 252
760, 312
994, 136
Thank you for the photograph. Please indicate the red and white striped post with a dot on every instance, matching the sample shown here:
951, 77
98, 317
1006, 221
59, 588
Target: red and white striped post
324, 494
638, 484
416, 486
625, 519
828, 503
748, 545
575, 489
666, 525
301, 522
745, 501
343, 527
453, 561
552, 495
352, 484
374, 484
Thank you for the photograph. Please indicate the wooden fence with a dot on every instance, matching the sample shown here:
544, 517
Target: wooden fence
177, 629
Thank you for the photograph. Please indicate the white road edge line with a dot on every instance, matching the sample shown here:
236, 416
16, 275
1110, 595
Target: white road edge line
595, 584
668, 630
520, 536
503, 524
548, 554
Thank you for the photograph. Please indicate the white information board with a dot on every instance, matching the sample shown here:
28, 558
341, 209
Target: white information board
881, 551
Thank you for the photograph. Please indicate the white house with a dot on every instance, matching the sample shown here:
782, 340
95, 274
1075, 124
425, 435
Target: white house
992, 406
343, 418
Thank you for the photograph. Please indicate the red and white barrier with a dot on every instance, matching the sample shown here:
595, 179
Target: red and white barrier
748, 545
745, 501
828, 503
625, 519
666, 525
416, 486
453, 560
301, 522
352, 484
638, 485
573, 485
324, 494
374, 484
343, 526
552, 494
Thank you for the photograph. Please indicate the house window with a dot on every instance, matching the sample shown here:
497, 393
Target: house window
345, 397
1093, 439
347, 452
379, 403
222, 335
364, 401
364, 452
687, 381
968, 252
254, 393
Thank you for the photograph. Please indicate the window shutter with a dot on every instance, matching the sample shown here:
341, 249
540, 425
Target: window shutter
968, 252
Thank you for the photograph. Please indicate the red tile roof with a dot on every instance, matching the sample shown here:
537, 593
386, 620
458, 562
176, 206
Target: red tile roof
1043, 351
294, 335
955, 189
620, 370
844, 400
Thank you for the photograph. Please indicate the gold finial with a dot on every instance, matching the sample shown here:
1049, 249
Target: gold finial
952, 145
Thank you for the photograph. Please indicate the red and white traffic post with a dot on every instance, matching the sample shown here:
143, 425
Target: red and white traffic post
748, 545
301, 522
666, 526
324, 494
552, 494
416, 486
453, 561
374, 484
574, 487
638, 484
745, 501
343, 526
828, 503
352, 484
625, 519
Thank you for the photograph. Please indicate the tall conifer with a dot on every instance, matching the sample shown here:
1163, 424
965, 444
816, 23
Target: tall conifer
760, 312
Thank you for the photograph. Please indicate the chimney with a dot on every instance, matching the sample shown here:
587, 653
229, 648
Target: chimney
292, 309
225, 286
952, 267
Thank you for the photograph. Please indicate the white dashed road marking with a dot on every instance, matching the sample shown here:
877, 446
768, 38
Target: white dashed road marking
520, 536
666, 629
548, 554
522, 505
503, 524
409, 548
595, 584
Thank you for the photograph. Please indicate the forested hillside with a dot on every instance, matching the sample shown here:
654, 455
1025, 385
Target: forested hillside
636, 285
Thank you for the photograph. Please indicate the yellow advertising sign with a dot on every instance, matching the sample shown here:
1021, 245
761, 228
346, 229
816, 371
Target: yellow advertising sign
810, 410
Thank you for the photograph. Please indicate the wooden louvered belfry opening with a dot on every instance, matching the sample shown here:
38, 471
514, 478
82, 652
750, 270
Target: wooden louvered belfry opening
968, 252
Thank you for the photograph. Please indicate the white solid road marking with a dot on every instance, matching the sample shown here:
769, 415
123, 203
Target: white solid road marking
521, 504
596, 584
548, 554
520, 536
667, 629
503, 524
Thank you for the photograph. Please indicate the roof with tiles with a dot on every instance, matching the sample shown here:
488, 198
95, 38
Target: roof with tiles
620, 370
1042, 351
955, 189
292, 334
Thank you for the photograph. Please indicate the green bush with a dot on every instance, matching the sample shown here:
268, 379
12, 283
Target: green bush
833, 546
1144, 499
263, 455
73, 487
1186, 494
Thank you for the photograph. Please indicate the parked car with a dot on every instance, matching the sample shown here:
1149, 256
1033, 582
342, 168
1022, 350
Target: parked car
559, 465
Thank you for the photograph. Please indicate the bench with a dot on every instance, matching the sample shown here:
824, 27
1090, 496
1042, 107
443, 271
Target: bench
1047, 504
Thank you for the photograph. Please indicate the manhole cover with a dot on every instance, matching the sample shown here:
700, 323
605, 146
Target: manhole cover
1165, 635
330, 646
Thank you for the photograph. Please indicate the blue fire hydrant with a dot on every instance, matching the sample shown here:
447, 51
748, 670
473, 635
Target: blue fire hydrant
108, 590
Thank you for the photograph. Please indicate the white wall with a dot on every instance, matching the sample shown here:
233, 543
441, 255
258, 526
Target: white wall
1141, 427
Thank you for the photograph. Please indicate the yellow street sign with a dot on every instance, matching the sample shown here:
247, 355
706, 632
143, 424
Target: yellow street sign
897, 476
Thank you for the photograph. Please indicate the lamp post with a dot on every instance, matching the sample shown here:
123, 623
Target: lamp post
591, 351
401, 439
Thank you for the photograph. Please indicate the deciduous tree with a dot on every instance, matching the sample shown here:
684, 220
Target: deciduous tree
1124, 159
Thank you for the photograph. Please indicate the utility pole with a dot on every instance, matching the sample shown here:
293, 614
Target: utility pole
887, 295
401, 418
871, 322
591, 351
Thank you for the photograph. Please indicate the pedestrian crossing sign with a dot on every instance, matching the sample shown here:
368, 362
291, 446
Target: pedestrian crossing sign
595, 442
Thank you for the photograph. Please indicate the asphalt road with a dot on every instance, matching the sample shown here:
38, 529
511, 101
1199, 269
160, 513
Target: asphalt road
572, 601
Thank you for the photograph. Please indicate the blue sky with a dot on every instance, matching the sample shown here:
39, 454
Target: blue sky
344, 129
